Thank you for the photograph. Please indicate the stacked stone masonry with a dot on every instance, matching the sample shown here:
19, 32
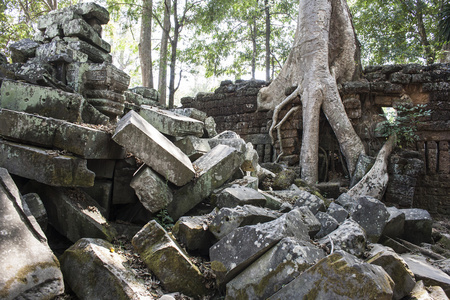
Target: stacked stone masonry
234, 107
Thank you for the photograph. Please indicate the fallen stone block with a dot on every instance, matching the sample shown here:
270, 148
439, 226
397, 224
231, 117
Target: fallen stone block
124, 170
22, 50
106, 76
337, 212
284, 179
152, 190
214, 169
396, 268
339, 276
45, 166
30, 270
192, 232
91, 115
89, 10
191, 113
228, 219
165, 258
251, 159
37, 209
427, 273
194, 147
346, 201
142, 139
81, 29
101, 192
57, 17
421, 292
147, 93
244, 245
73, 213
59, 51
93, 270
276, 268
327, 224
418, 225
239, 196
80, 140
349, 236
372, 215
40, 100
170, 123
107, 107
302, 198
395, 224
309, 220
94, 54
210, 126
228, 138
363, 166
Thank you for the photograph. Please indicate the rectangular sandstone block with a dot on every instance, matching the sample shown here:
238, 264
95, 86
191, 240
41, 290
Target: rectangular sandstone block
106, 77
147, 143
80, 28
94, 54
40, 100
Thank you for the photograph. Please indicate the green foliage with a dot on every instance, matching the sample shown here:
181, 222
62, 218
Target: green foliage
444, 23
405, 124
163, 218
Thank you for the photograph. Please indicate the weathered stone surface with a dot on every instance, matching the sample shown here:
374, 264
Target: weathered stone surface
302, 198
339, 276
284, 179
396, 268
363, 166
81, 140
165, 258
171, 123
349, 236
244, 245
427, 273
81, 29
73, 213
420, 292
94, 54
152, 190
101, 192
44, 166
147, 93
89, 10
29, 268
395, 224
210, 126
108, 107
59, 51
418, 225
191, 113
106, 76
192, 231
251, 159
40, 100
228, 138
228, 219
215, 168
93, 270
141, 138
327, 224
329, 189
124, 170
274, 269
193, 146
346, 201
22, 50
372, 215
309, 220
57, 17
239, 196
37, 209
337, 212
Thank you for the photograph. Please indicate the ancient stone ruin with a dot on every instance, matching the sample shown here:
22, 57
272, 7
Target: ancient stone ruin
107, 195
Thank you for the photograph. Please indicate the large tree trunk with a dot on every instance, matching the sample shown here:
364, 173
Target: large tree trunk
267, 13
325, 52
162, 82
173, 56
145, 44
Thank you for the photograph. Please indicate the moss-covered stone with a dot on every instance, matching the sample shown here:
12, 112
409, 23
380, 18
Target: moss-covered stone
284, 179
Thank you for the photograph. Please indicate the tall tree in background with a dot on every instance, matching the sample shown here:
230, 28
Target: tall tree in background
268, 54
145, 44
444, 32
163, 53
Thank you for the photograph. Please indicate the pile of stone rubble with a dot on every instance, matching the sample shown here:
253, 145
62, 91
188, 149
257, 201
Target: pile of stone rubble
85, 157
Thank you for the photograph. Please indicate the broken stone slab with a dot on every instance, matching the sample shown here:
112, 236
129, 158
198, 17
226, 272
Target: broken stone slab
372, 215
94, 54
337, 212
192, 232
106, 76
89, 10
251, 159
30, 270
327, 224
395, 224
56, 17
239, 196
73, 213
37, 209
276, 268
339, 276
191, 113
302, 198
309, 220
45, 166
165, 258
418, 225
22, 50
105, 94
363, 166
214, 169
210, 126
147, 93
349, 236
228, 219
346, 201
420, 292
171, 123
153, 148
193, 146
427, 273
59, 51
152, 190
244, 245
81, 29
91, 115
93, 270
396, 268
284, 179
84, 141
228, 138
40, 100
107, 107
273, 202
